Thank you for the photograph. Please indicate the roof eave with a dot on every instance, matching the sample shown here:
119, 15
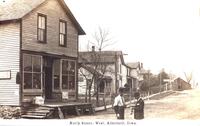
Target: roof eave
75, 22
9, 20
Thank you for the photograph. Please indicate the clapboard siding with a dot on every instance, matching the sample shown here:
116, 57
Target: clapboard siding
9, 60
53, 10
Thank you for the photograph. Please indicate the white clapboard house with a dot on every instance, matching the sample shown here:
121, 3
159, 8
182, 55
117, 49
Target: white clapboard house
38, 51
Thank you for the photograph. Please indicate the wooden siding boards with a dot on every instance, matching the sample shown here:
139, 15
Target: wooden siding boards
54, 12
9, 55
16, 38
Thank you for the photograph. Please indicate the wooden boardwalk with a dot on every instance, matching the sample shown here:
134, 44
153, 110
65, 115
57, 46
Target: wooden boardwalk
57, 110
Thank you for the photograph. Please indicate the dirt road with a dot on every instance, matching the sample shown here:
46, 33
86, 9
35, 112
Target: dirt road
180, 105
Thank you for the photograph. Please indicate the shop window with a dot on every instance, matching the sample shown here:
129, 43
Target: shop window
32, 71
68, 75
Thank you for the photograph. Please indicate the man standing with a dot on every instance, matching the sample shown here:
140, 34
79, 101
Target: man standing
138, 107
119, 104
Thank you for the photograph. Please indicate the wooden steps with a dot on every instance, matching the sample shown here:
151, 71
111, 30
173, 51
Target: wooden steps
37, 112
56, 110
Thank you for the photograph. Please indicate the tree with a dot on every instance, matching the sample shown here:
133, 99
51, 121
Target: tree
188, 77
149, 81
101, 39
153, 82
162, 76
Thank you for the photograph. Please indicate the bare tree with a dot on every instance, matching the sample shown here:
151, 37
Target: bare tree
101, 40
188, 77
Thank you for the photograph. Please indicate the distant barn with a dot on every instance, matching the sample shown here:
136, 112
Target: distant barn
179, 85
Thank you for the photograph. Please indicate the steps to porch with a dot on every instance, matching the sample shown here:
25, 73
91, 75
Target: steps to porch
38, 112
57, 110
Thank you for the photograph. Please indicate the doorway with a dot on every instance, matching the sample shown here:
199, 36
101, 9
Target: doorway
48, 63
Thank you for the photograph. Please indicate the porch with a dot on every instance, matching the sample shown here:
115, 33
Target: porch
57, 110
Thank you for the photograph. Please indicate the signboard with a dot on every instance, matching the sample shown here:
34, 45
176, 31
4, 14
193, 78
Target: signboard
166, 80
6, 74
65, 95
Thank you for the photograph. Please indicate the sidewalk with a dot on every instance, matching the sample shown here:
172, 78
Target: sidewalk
156, 96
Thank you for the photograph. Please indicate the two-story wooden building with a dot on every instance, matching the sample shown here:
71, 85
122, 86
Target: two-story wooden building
110, 64
134, 74
38, 51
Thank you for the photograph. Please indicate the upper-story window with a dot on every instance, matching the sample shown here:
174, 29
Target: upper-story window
41, 28
63, 33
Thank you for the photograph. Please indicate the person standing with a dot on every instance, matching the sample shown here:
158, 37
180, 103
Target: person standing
138, 108
119, 104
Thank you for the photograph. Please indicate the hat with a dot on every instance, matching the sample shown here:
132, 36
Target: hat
137, 94
121, 89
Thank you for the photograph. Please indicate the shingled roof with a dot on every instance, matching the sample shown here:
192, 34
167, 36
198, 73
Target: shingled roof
17, 9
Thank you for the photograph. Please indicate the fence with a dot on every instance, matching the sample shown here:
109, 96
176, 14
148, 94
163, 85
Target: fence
108, 99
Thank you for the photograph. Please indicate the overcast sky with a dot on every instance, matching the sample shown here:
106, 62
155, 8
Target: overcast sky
159, 33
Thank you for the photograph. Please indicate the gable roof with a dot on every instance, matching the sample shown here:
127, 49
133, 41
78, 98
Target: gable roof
104, 56
95, 72
144, 71
17, 9
133, 65
90, 69
178, 79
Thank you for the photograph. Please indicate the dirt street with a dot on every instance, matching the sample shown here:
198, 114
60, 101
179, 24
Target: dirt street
180, 105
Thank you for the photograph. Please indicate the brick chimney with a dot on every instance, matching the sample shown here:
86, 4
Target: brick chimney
141, 65
93, 48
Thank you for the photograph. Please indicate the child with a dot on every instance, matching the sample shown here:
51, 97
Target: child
119, 104
138, 107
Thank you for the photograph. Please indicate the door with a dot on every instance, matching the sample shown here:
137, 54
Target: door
48, 63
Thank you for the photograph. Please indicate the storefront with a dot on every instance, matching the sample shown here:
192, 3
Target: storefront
52, 77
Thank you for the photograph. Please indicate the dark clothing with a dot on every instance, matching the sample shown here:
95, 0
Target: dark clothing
119, 110
139, 109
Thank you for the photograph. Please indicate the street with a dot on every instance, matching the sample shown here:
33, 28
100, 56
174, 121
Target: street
179, 105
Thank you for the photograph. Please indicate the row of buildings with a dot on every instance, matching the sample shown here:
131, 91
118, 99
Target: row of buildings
39, 52
39, 55
108, 70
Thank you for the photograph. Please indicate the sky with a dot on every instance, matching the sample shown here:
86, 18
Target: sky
158, 33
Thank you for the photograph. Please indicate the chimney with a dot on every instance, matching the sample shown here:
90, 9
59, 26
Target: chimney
141, 65
93, 48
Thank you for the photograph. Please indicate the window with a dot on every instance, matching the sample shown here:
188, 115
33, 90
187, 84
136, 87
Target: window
41, 28
68, 75
62, 33
32, 71
120, 68
101, 86
80, 78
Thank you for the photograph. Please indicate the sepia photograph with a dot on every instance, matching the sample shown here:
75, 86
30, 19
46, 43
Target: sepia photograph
99, 62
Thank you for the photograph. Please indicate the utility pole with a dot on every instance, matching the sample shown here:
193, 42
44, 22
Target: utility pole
148, 84
160, 82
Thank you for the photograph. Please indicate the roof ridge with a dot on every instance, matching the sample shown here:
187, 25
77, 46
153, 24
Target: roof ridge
17, 9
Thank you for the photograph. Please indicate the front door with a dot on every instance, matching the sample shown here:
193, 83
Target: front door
48, 65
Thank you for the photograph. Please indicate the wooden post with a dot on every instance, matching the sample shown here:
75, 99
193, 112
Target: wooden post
60, 113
